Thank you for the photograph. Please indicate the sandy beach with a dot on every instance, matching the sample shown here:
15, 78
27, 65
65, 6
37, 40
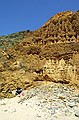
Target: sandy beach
49, 102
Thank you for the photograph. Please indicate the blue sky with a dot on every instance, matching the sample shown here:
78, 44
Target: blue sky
18, 15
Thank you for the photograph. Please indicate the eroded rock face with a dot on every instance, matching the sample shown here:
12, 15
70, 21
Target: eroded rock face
50, 53
61, 71
63, 27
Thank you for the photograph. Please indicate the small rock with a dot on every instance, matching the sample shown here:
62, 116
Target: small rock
38, 115
67, 112
77, 100
53, 111
3, 103
5, 110
50, 108
65, 88
76, 95
77, 113
72, 104
14, 110
61, 97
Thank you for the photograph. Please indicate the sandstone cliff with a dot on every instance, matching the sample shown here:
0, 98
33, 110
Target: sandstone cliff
50, 53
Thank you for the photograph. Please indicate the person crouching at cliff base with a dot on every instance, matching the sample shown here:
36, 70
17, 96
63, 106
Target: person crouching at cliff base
19, 92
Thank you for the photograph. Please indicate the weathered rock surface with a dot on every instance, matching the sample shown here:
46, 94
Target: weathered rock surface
50, 53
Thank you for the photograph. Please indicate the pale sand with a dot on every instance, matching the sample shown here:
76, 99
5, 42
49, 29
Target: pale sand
17, 111
33, 108
10, 109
